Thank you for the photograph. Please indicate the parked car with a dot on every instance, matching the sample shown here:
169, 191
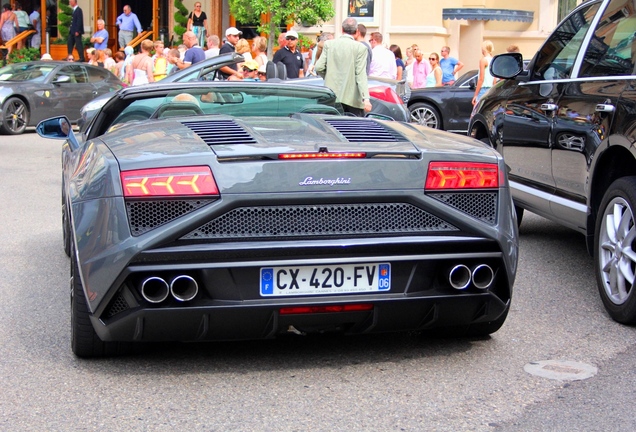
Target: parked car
386, 95
33, 91
566, 128
240, 210
448, 107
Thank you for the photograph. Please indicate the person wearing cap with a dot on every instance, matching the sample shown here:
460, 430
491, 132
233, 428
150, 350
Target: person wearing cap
250, 70
232, 35
194, 53
291, 57
343, 65
46, 57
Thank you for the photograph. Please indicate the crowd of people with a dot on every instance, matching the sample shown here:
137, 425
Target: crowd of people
14, 21
347, 60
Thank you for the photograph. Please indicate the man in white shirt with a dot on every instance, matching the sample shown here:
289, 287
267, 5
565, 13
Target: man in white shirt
383, 60
213, 46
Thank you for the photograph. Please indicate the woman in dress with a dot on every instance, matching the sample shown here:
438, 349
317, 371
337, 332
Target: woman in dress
139, 71
8, 23
398, 61
434, 78
259, 46
160, 61
197, 23
485, 80
408, 64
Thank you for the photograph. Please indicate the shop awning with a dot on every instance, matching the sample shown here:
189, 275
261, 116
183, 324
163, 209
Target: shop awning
488, 14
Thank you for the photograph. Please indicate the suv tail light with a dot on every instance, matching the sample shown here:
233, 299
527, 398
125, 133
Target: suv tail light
166, 182
386, 94
462, 175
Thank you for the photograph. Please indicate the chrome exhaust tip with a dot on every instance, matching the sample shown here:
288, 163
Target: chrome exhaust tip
184, 288
483, 276
459, 277
155, 289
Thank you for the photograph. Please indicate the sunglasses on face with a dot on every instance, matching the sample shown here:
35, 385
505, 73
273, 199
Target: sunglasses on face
247, 70
290, 38
432, 59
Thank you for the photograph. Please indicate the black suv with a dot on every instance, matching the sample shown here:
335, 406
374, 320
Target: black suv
567, 130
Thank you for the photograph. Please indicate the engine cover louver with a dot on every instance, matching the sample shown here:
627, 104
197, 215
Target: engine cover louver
360, 130
220, 132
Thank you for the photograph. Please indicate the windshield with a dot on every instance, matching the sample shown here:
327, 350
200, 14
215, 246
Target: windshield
245, 100
25, 72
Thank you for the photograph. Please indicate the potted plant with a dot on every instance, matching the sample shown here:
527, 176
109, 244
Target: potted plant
24, 55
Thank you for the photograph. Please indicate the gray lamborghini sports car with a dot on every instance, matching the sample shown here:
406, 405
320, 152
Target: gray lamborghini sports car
236, 210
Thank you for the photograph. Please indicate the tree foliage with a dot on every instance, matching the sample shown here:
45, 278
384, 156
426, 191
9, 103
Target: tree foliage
64, 18
180, 18
304, 12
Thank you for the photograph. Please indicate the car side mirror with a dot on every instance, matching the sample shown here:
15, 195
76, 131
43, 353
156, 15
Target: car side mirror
57, 128
472, 83
507, 65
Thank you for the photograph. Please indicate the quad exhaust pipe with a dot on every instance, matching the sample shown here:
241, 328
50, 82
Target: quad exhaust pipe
460, 276
155, 289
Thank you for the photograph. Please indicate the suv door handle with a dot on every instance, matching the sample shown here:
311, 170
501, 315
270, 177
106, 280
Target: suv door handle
605, 108
549, 107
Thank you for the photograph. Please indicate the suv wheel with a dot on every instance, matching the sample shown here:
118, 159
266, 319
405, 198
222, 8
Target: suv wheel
615, 258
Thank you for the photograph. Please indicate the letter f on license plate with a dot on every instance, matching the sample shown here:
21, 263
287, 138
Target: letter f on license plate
321, 280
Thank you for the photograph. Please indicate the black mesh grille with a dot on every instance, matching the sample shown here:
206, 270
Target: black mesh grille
480, 205
320, 220
220, 132
144, 216
359, 130
119, 304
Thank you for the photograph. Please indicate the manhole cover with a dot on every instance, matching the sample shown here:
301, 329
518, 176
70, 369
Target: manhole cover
562, 370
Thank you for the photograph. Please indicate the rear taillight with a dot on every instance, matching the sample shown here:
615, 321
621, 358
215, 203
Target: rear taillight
173, 181
322, 155
386, 94
462, 175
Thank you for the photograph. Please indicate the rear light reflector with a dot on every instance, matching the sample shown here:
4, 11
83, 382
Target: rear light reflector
386, 94
325, 309
462, 175
173, 181
322, 155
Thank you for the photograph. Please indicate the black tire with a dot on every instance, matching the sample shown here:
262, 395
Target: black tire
519, 211
614, 240
425, 114
15, 116
84, 341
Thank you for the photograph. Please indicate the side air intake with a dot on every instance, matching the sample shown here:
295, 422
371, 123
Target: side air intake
365, 130
220, 132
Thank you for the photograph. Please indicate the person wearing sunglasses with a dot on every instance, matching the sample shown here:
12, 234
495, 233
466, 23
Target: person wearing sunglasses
434, 78
291, 57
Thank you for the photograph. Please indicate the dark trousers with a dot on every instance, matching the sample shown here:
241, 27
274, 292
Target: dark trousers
76, 41
358, 112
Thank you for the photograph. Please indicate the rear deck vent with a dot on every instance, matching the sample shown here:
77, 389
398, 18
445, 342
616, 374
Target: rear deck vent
364, 130
220, 132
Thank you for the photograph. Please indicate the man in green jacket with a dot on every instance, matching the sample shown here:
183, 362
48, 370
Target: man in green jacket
343, 65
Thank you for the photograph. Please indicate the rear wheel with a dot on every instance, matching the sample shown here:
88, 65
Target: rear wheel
425, 114
615, 257
15, 116
84, 340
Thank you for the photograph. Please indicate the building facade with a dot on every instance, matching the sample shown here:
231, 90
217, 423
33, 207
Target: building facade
460, 24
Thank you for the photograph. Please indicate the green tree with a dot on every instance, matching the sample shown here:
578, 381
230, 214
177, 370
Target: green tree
64, 18
180, 19
305, 12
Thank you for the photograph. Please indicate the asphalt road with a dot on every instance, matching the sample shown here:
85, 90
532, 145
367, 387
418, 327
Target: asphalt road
386, 382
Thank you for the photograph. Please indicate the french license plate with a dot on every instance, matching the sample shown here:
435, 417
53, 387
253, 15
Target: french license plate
321, 280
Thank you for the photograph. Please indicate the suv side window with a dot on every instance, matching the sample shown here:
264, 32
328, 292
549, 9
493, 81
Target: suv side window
556, 58
612, 49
